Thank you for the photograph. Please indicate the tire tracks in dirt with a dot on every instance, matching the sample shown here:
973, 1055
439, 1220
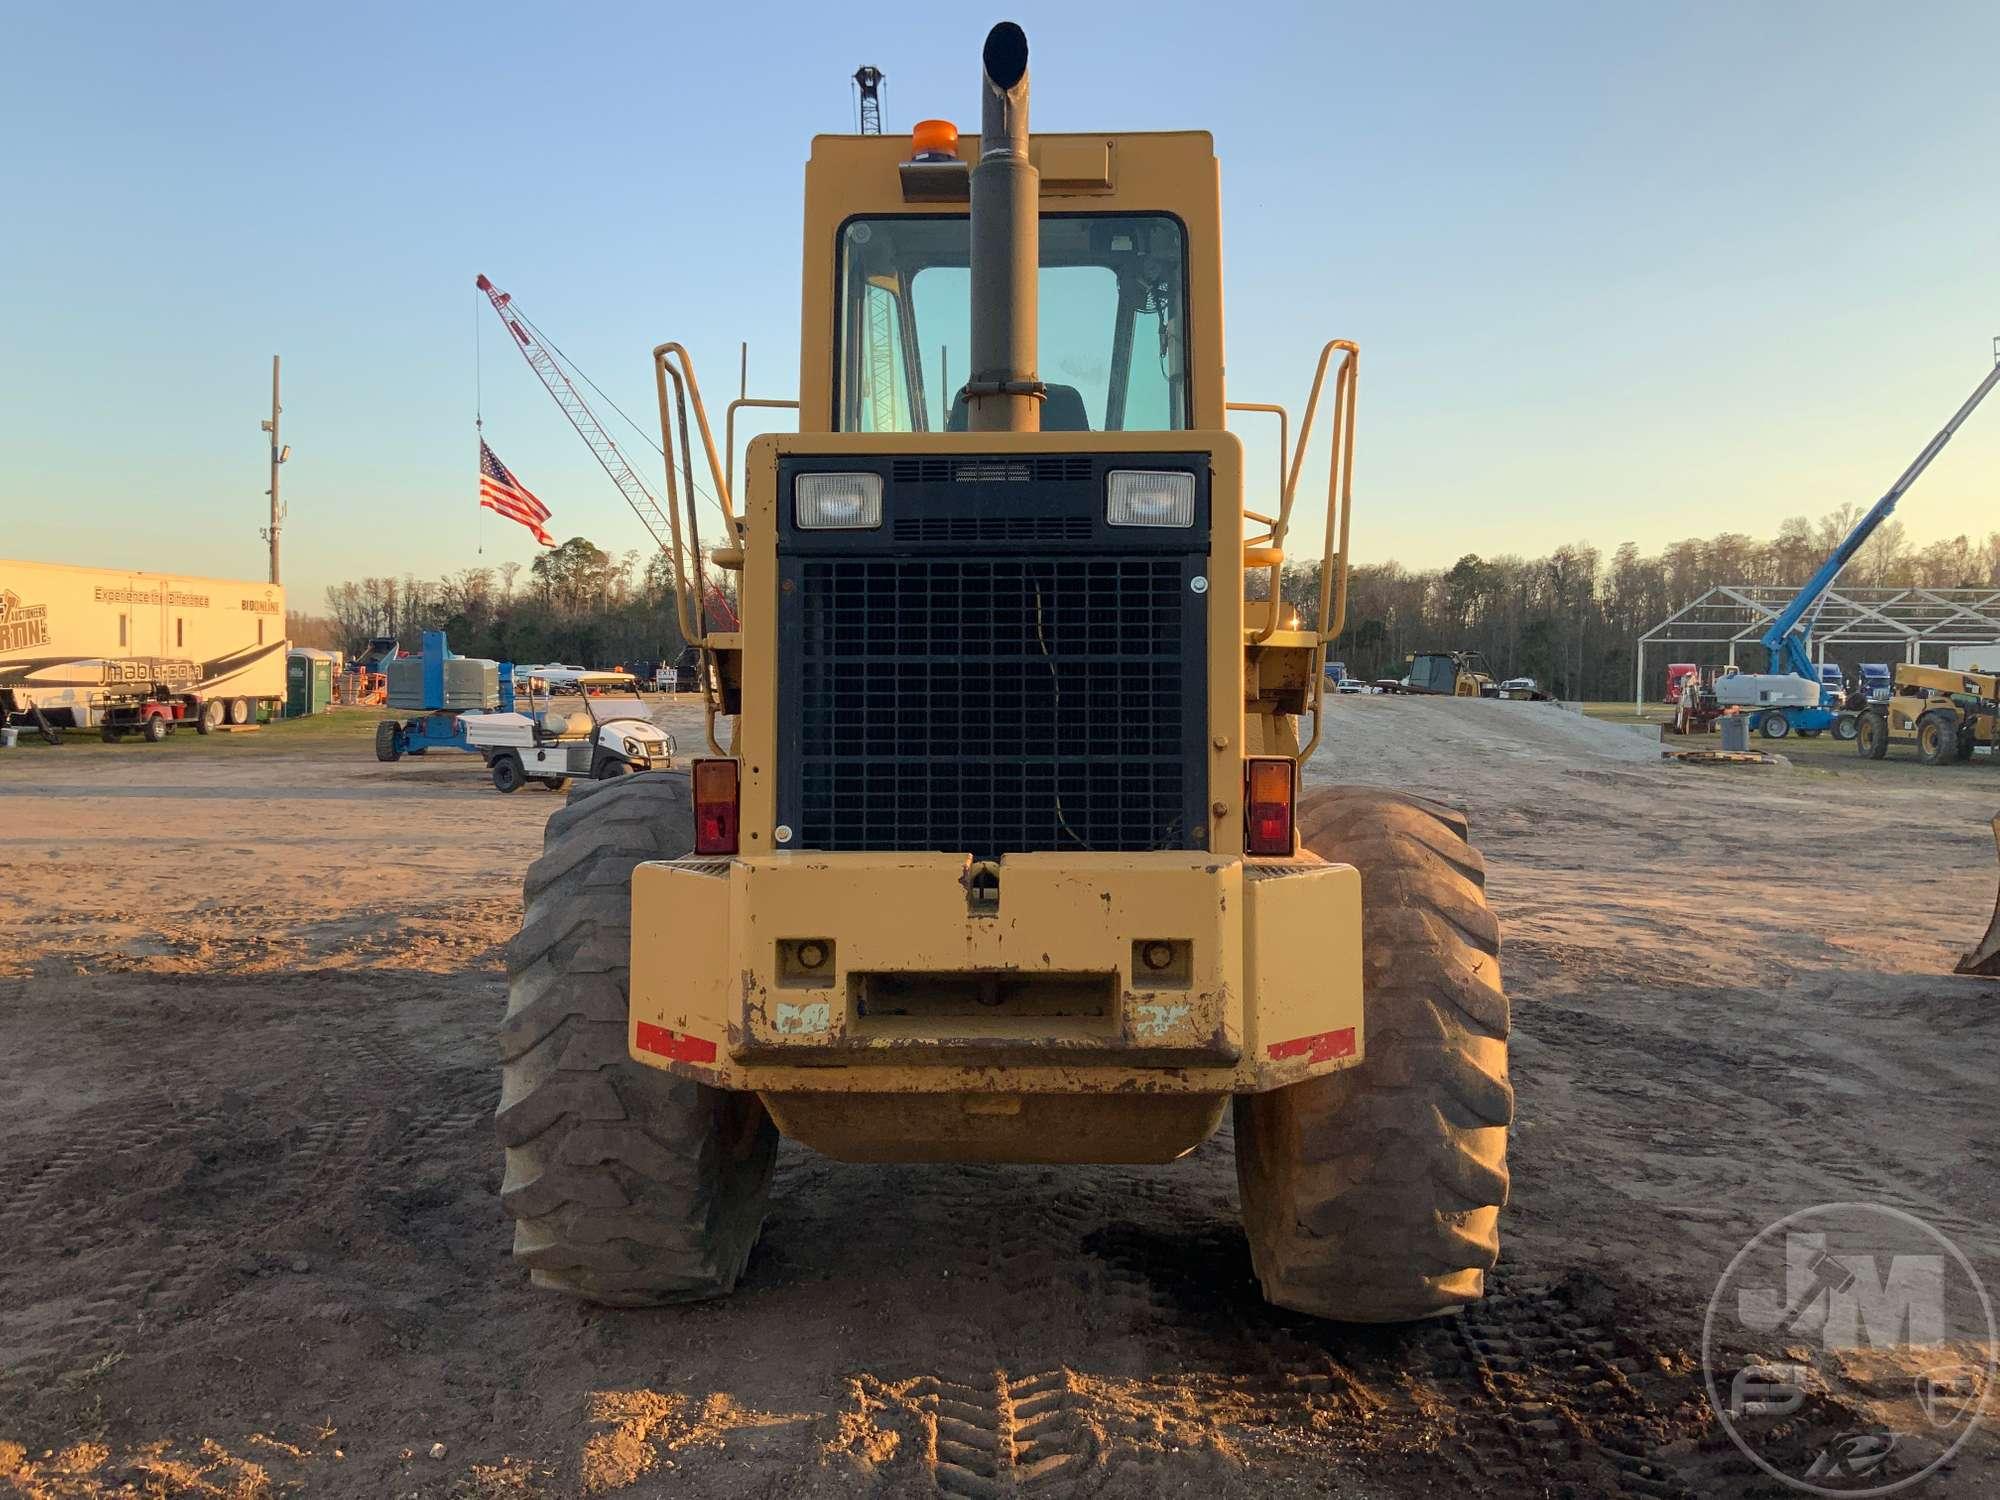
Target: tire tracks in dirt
1535, 1389
373, 1112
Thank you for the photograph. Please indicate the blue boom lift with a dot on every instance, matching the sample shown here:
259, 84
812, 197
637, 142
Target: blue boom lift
1789, 637
439, 726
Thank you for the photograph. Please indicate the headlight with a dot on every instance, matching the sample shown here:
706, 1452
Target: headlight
837, 502
1150, 497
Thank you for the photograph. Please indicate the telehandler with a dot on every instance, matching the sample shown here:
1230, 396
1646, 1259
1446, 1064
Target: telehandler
1947, 714
999, 851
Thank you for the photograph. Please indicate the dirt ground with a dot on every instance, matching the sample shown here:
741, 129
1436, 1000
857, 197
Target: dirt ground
252, 1244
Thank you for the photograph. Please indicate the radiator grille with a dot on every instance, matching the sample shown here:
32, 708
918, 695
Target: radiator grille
993, 528
1073, 468
993, 704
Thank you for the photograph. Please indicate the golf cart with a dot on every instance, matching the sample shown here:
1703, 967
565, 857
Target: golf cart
601, 738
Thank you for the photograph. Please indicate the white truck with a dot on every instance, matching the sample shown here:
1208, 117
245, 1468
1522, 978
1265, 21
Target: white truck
116, 649
607, 736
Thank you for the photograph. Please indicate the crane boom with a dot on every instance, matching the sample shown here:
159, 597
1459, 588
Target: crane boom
583, 419
716, 606
1783, 639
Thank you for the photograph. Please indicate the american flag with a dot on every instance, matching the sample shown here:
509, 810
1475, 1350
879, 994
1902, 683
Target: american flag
502, 493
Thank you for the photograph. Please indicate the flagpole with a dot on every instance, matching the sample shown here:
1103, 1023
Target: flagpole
479, 406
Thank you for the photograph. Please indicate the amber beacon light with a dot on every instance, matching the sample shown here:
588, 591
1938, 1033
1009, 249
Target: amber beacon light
934, 140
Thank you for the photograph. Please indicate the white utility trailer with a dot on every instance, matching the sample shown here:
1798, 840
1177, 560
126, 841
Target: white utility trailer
96, 647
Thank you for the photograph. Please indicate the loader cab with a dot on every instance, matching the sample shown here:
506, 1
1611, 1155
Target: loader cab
1130, 283
1113, 323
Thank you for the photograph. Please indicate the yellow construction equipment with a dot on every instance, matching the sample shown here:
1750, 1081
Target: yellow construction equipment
1947, 714
1985, 957
1000, 851
1450, 674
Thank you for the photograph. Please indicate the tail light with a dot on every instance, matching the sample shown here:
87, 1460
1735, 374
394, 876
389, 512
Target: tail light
716, 806
1268, 788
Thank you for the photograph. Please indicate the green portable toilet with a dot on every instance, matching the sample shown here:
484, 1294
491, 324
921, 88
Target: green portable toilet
308, 682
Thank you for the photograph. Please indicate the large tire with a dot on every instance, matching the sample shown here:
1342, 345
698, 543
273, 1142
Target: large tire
1373, 1194
209, 715
1937, 738
240, 711
1871, 735
627, 1185
1775, 724
1846, 725
386, 747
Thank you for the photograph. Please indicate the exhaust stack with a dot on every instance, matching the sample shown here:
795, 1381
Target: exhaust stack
1004, 394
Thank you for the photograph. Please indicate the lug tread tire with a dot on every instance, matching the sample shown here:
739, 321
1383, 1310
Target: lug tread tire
1871, 737
386, 748
1943, 747
1373, 1194
627, 1186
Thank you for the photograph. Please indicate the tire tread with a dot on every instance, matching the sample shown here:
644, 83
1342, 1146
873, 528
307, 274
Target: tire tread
627, 1186
1373, 1194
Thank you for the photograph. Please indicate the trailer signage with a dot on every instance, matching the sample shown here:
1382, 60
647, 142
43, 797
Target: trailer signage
170, 597
22, 625
151, 669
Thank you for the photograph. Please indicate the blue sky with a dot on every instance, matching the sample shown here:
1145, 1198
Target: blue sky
1618, 272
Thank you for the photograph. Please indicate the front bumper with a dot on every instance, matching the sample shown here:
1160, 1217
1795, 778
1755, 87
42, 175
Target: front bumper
1145, 973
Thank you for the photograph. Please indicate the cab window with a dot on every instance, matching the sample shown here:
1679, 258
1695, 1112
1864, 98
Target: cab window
1111, 324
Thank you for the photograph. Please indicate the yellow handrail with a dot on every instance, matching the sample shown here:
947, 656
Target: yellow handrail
1332, 616
672, 362
729, 431
1276, 563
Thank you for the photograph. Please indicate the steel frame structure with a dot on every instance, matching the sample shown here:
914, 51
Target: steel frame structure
1732, 615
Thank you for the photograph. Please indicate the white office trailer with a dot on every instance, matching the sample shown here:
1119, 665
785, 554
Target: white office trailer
81, 644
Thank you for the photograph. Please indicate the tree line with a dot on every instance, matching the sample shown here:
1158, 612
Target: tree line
1570, 620
577, 603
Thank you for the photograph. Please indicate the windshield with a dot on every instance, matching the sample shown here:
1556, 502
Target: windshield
1438, 673
1112, 324
603, 710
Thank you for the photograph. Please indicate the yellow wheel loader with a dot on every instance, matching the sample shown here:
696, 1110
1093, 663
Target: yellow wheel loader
999, 851
1983, 958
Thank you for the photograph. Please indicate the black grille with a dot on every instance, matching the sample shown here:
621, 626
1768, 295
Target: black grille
993, 528
992, 704
992, 470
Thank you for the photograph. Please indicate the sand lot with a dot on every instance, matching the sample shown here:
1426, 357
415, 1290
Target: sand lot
247, 1173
